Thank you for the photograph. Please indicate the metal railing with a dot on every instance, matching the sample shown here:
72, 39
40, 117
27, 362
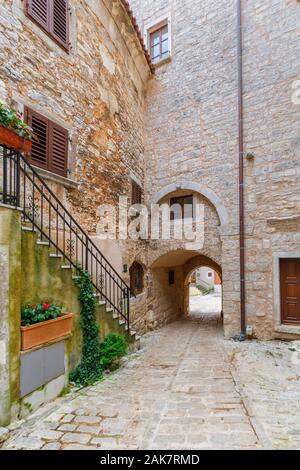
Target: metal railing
22, 187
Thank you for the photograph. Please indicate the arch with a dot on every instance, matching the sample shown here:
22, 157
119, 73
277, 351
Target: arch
201, 261
189, 268
198, 188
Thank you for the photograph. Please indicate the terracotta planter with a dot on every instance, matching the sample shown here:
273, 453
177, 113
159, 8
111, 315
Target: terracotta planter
12, 140
45, 332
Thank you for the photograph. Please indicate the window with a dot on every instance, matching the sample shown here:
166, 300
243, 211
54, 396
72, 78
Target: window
53, 17
51, 150
136, 197
209, 274
183, 207
159, 44
136, 279
171, 278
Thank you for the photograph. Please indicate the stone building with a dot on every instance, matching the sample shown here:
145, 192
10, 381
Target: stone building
164, 127
192, 148
78, 72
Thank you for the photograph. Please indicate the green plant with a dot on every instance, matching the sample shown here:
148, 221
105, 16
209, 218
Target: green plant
12, 119
32, 314
90, 369
113, 348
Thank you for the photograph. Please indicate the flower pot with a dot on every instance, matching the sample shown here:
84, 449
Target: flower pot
46, 332
12, 140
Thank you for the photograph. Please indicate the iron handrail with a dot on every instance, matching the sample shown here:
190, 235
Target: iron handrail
14, 166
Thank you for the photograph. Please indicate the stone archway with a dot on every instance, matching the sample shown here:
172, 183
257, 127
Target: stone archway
168, 294
166, 302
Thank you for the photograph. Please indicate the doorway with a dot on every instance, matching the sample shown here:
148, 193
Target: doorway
205, 293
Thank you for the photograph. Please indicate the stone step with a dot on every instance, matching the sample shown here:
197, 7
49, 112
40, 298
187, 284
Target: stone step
28, 229
53, 255
66, 267
42, 243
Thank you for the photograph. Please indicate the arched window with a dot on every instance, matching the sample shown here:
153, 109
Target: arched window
136, 278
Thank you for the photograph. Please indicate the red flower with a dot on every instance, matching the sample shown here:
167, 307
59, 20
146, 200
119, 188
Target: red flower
46, 306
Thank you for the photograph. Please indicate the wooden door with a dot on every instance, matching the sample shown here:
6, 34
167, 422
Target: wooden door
290, 291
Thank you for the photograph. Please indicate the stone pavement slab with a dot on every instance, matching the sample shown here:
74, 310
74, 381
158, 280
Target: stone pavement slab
177, 393
186, 389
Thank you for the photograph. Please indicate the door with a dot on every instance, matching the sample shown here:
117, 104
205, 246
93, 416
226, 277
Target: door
290, 291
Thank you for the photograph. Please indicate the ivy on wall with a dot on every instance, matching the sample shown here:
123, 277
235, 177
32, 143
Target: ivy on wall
96, 356
90, 369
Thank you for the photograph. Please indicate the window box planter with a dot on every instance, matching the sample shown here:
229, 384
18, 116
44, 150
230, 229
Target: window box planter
11, 139
46, 332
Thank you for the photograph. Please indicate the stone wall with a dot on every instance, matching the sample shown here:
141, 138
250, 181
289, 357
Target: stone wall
192, 132
10, 292
30, 276
96, 91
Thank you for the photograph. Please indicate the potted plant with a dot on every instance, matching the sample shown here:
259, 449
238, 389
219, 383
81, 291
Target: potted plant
14, 132
43, 323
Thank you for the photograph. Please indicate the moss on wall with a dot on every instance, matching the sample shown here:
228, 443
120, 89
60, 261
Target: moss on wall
33, 276
10, 237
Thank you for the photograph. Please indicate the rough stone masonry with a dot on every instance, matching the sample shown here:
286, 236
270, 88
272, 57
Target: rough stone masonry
192, 139
186, 141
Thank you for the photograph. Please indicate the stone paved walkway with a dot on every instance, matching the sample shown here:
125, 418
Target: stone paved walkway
206, 304
177, 393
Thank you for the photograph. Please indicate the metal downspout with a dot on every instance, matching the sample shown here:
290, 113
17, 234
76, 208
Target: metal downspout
243, 334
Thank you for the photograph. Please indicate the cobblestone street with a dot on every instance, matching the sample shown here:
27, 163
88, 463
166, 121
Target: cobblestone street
181, 391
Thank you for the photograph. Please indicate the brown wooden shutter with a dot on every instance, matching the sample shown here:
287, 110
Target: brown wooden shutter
136, 193
40, 150
39, 11
51, 150
58, 146
60, 21
53, 16
290, 291
136, 278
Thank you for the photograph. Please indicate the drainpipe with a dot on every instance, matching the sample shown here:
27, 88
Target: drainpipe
243, 334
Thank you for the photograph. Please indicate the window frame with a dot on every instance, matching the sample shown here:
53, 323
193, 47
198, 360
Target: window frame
173, 202
162, 55
48, 166
155, 26
48, 29
136, 193
134, 270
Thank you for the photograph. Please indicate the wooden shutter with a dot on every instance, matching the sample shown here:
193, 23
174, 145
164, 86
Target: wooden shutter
60, 22
39, 11
290, 291
51, 150
136, 278
136, 193
53, 17
58, 149
40, 149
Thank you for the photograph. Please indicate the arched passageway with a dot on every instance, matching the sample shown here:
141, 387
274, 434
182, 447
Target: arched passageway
171, 276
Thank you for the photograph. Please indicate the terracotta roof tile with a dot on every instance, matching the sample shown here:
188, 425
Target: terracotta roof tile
129, 11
